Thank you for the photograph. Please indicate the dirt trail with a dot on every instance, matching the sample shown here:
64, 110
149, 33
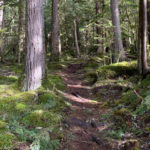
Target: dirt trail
83, 124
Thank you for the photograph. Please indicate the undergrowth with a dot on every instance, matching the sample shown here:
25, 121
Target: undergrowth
30, 116
131, 112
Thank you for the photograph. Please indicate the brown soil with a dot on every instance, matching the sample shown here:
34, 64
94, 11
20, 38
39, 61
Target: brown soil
83, 126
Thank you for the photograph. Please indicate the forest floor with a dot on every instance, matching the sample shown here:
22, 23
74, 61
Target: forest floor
82, 105
87, 124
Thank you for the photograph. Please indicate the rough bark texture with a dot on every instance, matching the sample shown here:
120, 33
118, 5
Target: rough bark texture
142, 60
118, 46
35, 61
148, 19
98, 28
2, 25
76, 38
21, 28
56, 42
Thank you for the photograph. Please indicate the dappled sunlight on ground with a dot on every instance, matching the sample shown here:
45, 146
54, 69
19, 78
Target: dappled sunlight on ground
78, 99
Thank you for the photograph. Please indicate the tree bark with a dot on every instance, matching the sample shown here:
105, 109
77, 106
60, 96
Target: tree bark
56, 42
142, 60
119, 54
76, 38
98, 28
2, 26
148, 19
21, 29
35, 60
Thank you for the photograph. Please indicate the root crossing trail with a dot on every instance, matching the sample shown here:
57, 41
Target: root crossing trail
83, 124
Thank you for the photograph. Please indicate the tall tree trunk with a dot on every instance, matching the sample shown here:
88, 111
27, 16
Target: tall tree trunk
118, 46
142, 60
56, 42
76, 38
35, 60
98, 28
148, 19
21, 29
2, 26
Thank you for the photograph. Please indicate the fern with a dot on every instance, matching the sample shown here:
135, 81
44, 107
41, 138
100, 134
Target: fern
145, 105
43, 142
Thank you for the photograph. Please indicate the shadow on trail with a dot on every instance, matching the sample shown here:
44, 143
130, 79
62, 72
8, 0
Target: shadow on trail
82, 123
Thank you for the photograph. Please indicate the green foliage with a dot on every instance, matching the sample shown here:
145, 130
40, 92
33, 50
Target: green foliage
6, 141
3, 124
91, 77
144, 107
40, 139
43, 142
20, 107
116, 134
8, 80
41, 118
116, 70
122, 117
129, 99
53, 81
22, 133
25, 114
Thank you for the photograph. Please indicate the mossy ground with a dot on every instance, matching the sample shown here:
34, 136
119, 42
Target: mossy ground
131, 111
23, 112
25, 115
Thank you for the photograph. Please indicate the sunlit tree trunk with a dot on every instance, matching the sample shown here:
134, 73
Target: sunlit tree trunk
142, 60
118, 46
56, 42
21, 29
98, 28
76, 38
35, 61
2, 25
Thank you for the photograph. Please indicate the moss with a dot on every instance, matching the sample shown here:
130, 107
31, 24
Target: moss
20, 107
147, 129
8, 80
54, 81
47, 96
129, 99
145, 82
122, 117
41, 118
3, 124
118, 69
6, 141
91, 77
55, 66
27, 96
21, 81
7, 105
92, 64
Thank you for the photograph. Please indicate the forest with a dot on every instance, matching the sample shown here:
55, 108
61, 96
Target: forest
74, 75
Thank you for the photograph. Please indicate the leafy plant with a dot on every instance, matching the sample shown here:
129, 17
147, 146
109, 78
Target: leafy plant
43, 142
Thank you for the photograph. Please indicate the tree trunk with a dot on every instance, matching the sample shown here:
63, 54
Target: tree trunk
76, 38
148, 19
56, 42
35, 60
142, 60
98, 28
2, 25
118, 46
21, 29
